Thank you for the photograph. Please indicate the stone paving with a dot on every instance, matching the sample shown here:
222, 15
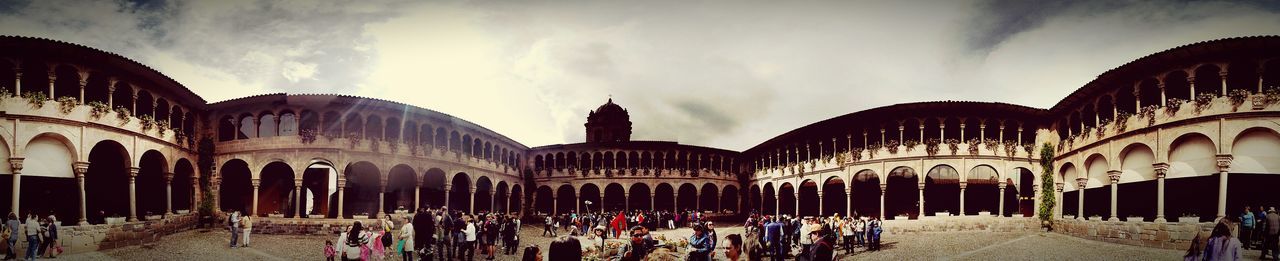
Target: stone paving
964, 245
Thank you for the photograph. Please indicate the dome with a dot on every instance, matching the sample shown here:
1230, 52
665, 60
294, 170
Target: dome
609, 122
609, 112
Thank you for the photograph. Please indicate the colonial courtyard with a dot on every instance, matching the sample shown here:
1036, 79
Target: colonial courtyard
204, 244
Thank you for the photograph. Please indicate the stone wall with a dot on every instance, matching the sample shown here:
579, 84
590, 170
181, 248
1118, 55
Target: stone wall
79, 239
1166, 235
963, 223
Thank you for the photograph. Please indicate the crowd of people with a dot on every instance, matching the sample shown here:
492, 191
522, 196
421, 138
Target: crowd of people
816, 238
429, 234
41, 235
617, 222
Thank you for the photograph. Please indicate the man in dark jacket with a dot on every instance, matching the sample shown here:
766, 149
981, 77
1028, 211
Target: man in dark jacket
820, 250
445, 244
1269, 242
424, 228
773, 235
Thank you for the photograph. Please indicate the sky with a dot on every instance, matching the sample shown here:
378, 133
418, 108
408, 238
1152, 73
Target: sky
724, 74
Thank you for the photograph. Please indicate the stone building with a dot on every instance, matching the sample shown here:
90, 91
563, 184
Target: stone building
95, 138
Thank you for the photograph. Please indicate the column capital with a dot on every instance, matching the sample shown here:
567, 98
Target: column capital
963, 184
1057, 186
342, 183
16, 165
133, 172
297, 182
1114, 175
1001, 185
1081, 182
255, 183
80, 168
1161, 169
168, 177
1224, 162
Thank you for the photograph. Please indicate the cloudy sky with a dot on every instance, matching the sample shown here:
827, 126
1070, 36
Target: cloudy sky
727, 74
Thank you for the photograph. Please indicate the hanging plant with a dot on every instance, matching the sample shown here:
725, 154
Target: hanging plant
1273, 94
1102, 126
373, 144
871, 150
892, 146
973, 145
122, 114
856, 154
393, 145
147, 122
353, 140
97, 109
1028, 148
931, 146
1204, 101
308, 136
35, 99
1122, 121
162, 126
67, 104
1150, 113
1172, 105
178, 136
910, 145
991, 144
1237, 97
5, 93
1084, 133
1010, 148
413, 149
954, 145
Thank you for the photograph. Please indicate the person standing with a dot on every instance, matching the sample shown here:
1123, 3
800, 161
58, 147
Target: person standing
847, 231
699, 245
233, 225
33, 236
1221, 245
820, 250
546, 226
1269, 243
443, 236
469, 247
51, 247
12, 224
1246, 227
246, 223
773, 237
406, 244
424, 228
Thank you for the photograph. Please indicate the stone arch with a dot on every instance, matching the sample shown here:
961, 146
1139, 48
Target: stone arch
183, 189
363, 180
687, 198
48, 184
459, 193
1026, 195
808, 203
709, 197
787, 199
235, 191
901, 193
277, 191
834, 198
592, 193
517, 199
639, 197
865, 186
664, 197
729, 199
402, 181
433, 190
768, 198
982, 191
48, 155
754, 198
267, 126
320, 188
150, 183
1135, 163
614, 198
566, 199
544, 200
483, 196
1096, 168
501, 193
942, 185
1255, 150
1192, 154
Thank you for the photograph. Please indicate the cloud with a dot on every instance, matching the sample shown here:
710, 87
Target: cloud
719, 74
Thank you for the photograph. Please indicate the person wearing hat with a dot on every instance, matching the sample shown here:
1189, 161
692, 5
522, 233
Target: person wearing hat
699, 244
820, 250
1273, 234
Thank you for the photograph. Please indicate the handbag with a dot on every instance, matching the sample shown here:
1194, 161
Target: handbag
400, 246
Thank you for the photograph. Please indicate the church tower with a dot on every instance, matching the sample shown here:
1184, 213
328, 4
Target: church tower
609, 122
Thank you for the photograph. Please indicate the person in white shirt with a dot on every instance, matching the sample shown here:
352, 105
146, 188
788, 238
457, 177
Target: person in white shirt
406, 234
470, 234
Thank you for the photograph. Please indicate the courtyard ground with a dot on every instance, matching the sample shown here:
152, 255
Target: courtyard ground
212, 245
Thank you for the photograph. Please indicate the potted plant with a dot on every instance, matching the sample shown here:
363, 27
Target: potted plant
1204, 101
1172, 105
1237, 97
1189, 218
954, 145
66, 104
931, 146
892, 146
115, 219
910, 145
35, 99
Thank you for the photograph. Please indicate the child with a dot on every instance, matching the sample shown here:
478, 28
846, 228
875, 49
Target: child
329, 252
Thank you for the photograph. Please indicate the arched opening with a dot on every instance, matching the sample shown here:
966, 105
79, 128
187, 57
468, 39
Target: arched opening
834, 199
1243, 75
150, 185
902, 196
107, 179
709, 198
277, 191
866, 193
769, 199
459, 194
754, 199
545, 200
663, 197
67, 83
1270, 74
226, 129
94, 91
1192, 174
615, 198
373, 128
146, 104
941, 190
787, 199
729, 199
589, 193
183, 190
248, 129
688, 197
235, 193
1176, 86
809, 203
48, 185
639, 197
320, 185
332, 122
1026, 192
517, 199
1207, 79
1070, 190
433, 188
122, 97
1149, 90
162, 111
354, 125
483, 196
35, 79
1136, 195
288, 124
401, 184
500, 197
566, 201
1255, 162
392, 133
982, 192
361, 194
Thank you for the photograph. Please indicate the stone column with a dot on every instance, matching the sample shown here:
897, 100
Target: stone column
920, 201
17, 82
382, 196
652, 204
471, 198
342, 186
417, 195
848, 201
1114, 176
882, 187
1000, 186
16, 165
300, 198
256, 183
448, 189
820, 203
133, 194
777, 204
1080, 186
962, 186
1224, 165
80, 168
1161, 169
1057, 209
554, 205
214, 187
168, 193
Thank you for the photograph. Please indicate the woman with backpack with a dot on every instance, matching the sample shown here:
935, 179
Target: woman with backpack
354, 243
